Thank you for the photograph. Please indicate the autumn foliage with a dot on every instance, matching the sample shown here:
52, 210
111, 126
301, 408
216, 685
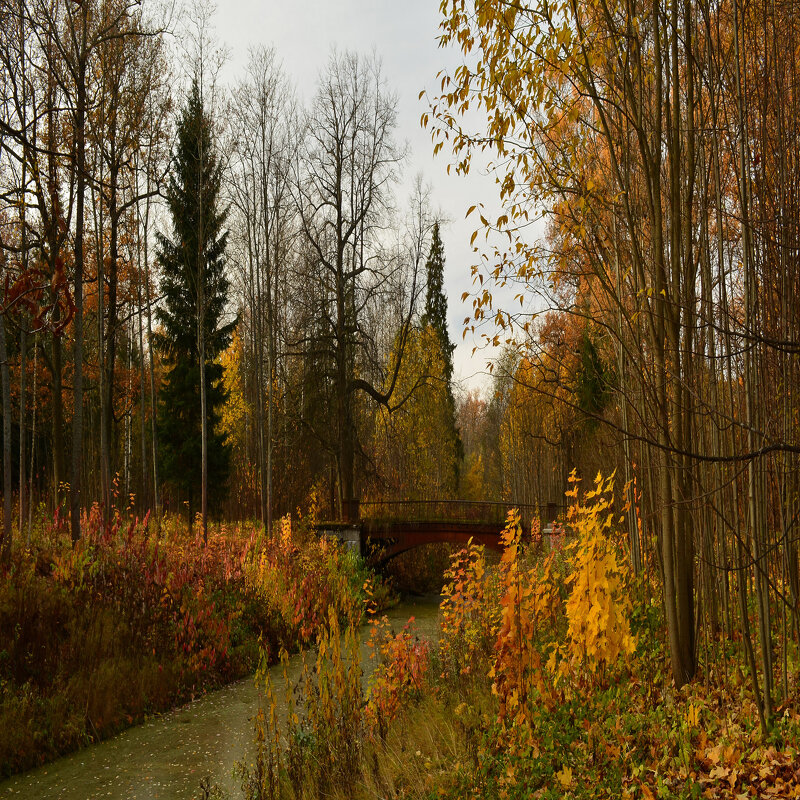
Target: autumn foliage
160, 613
401, 674
599, 605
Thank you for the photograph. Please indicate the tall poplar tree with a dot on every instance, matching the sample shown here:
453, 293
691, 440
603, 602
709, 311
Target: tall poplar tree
195, 291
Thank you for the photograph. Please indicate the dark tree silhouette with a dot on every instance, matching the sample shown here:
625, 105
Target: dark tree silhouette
195, 292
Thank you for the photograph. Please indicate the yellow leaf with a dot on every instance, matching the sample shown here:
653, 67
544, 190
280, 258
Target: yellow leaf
565, 777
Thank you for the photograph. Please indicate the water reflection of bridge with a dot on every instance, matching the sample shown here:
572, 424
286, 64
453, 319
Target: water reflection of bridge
387, 528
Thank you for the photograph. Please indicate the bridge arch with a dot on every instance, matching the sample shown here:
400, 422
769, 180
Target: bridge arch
385, 543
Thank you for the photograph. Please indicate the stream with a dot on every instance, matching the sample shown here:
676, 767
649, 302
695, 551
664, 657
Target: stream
168, 755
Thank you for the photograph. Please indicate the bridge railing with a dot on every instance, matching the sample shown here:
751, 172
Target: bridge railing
487, 512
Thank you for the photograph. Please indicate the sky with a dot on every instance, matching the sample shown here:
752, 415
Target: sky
403, 33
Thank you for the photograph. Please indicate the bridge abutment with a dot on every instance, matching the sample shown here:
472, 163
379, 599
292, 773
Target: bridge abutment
349, 534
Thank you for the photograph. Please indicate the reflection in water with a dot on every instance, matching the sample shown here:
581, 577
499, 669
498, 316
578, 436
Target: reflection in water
168, 756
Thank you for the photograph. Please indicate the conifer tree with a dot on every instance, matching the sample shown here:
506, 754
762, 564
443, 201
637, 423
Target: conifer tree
436, 316
195, 291
436, 302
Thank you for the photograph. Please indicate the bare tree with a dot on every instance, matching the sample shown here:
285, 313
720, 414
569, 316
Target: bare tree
260, 193
346, 166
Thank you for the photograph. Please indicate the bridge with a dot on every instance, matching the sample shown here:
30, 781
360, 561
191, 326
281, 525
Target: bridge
386, 528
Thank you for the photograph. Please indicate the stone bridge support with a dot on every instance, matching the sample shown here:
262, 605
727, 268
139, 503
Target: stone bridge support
347, 533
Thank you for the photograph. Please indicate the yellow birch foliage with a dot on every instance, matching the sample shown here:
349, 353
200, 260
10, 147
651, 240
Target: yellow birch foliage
235, 411
599, 605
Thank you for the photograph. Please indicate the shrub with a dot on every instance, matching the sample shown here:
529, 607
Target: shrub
400, 675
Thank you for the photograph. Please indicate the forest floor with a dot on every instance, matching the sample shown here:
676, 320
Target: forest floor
157, 612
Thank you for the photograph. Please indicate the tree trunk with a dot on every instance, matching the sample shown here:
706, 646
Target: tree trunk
143, 499
105, 463
110, 359
22, 421
33, 442
77, 410
151, 359
58, 419
7, 482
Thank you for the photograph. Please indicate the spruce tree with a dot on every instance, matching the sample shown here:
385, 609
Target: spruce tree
195, 292
436, 316
436, 301
593, 381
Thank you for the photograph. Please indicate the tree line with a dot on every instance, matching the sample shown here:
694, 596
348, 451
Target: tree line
214, 302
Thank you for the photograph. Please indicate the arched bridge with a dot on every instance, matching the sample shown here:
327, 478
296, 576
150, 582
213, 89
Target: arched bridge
387, 528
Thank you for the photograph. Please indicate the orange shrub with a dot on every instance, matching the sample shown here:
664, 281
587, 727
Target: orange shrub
400, 675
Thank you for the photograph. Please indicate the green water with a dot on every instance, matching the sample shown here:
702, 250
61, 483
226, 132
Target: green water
167, 757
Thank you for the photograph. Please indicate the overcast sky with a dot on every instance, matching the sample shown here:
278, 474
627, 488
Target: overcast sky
403, 34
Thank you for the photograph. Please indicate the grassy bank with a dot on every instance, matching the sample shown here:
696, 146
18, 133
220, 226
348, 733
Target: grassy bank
550, 680
131, 621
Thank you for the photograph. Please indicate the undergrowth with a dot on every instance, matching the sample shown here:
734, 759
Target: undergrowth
159, 614
550, 680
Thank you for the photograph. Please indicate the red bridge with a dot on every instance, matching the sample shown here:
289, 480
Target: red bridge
388, 528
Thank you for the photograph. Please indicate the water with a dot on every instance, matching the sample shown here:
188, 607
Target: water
167, 757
